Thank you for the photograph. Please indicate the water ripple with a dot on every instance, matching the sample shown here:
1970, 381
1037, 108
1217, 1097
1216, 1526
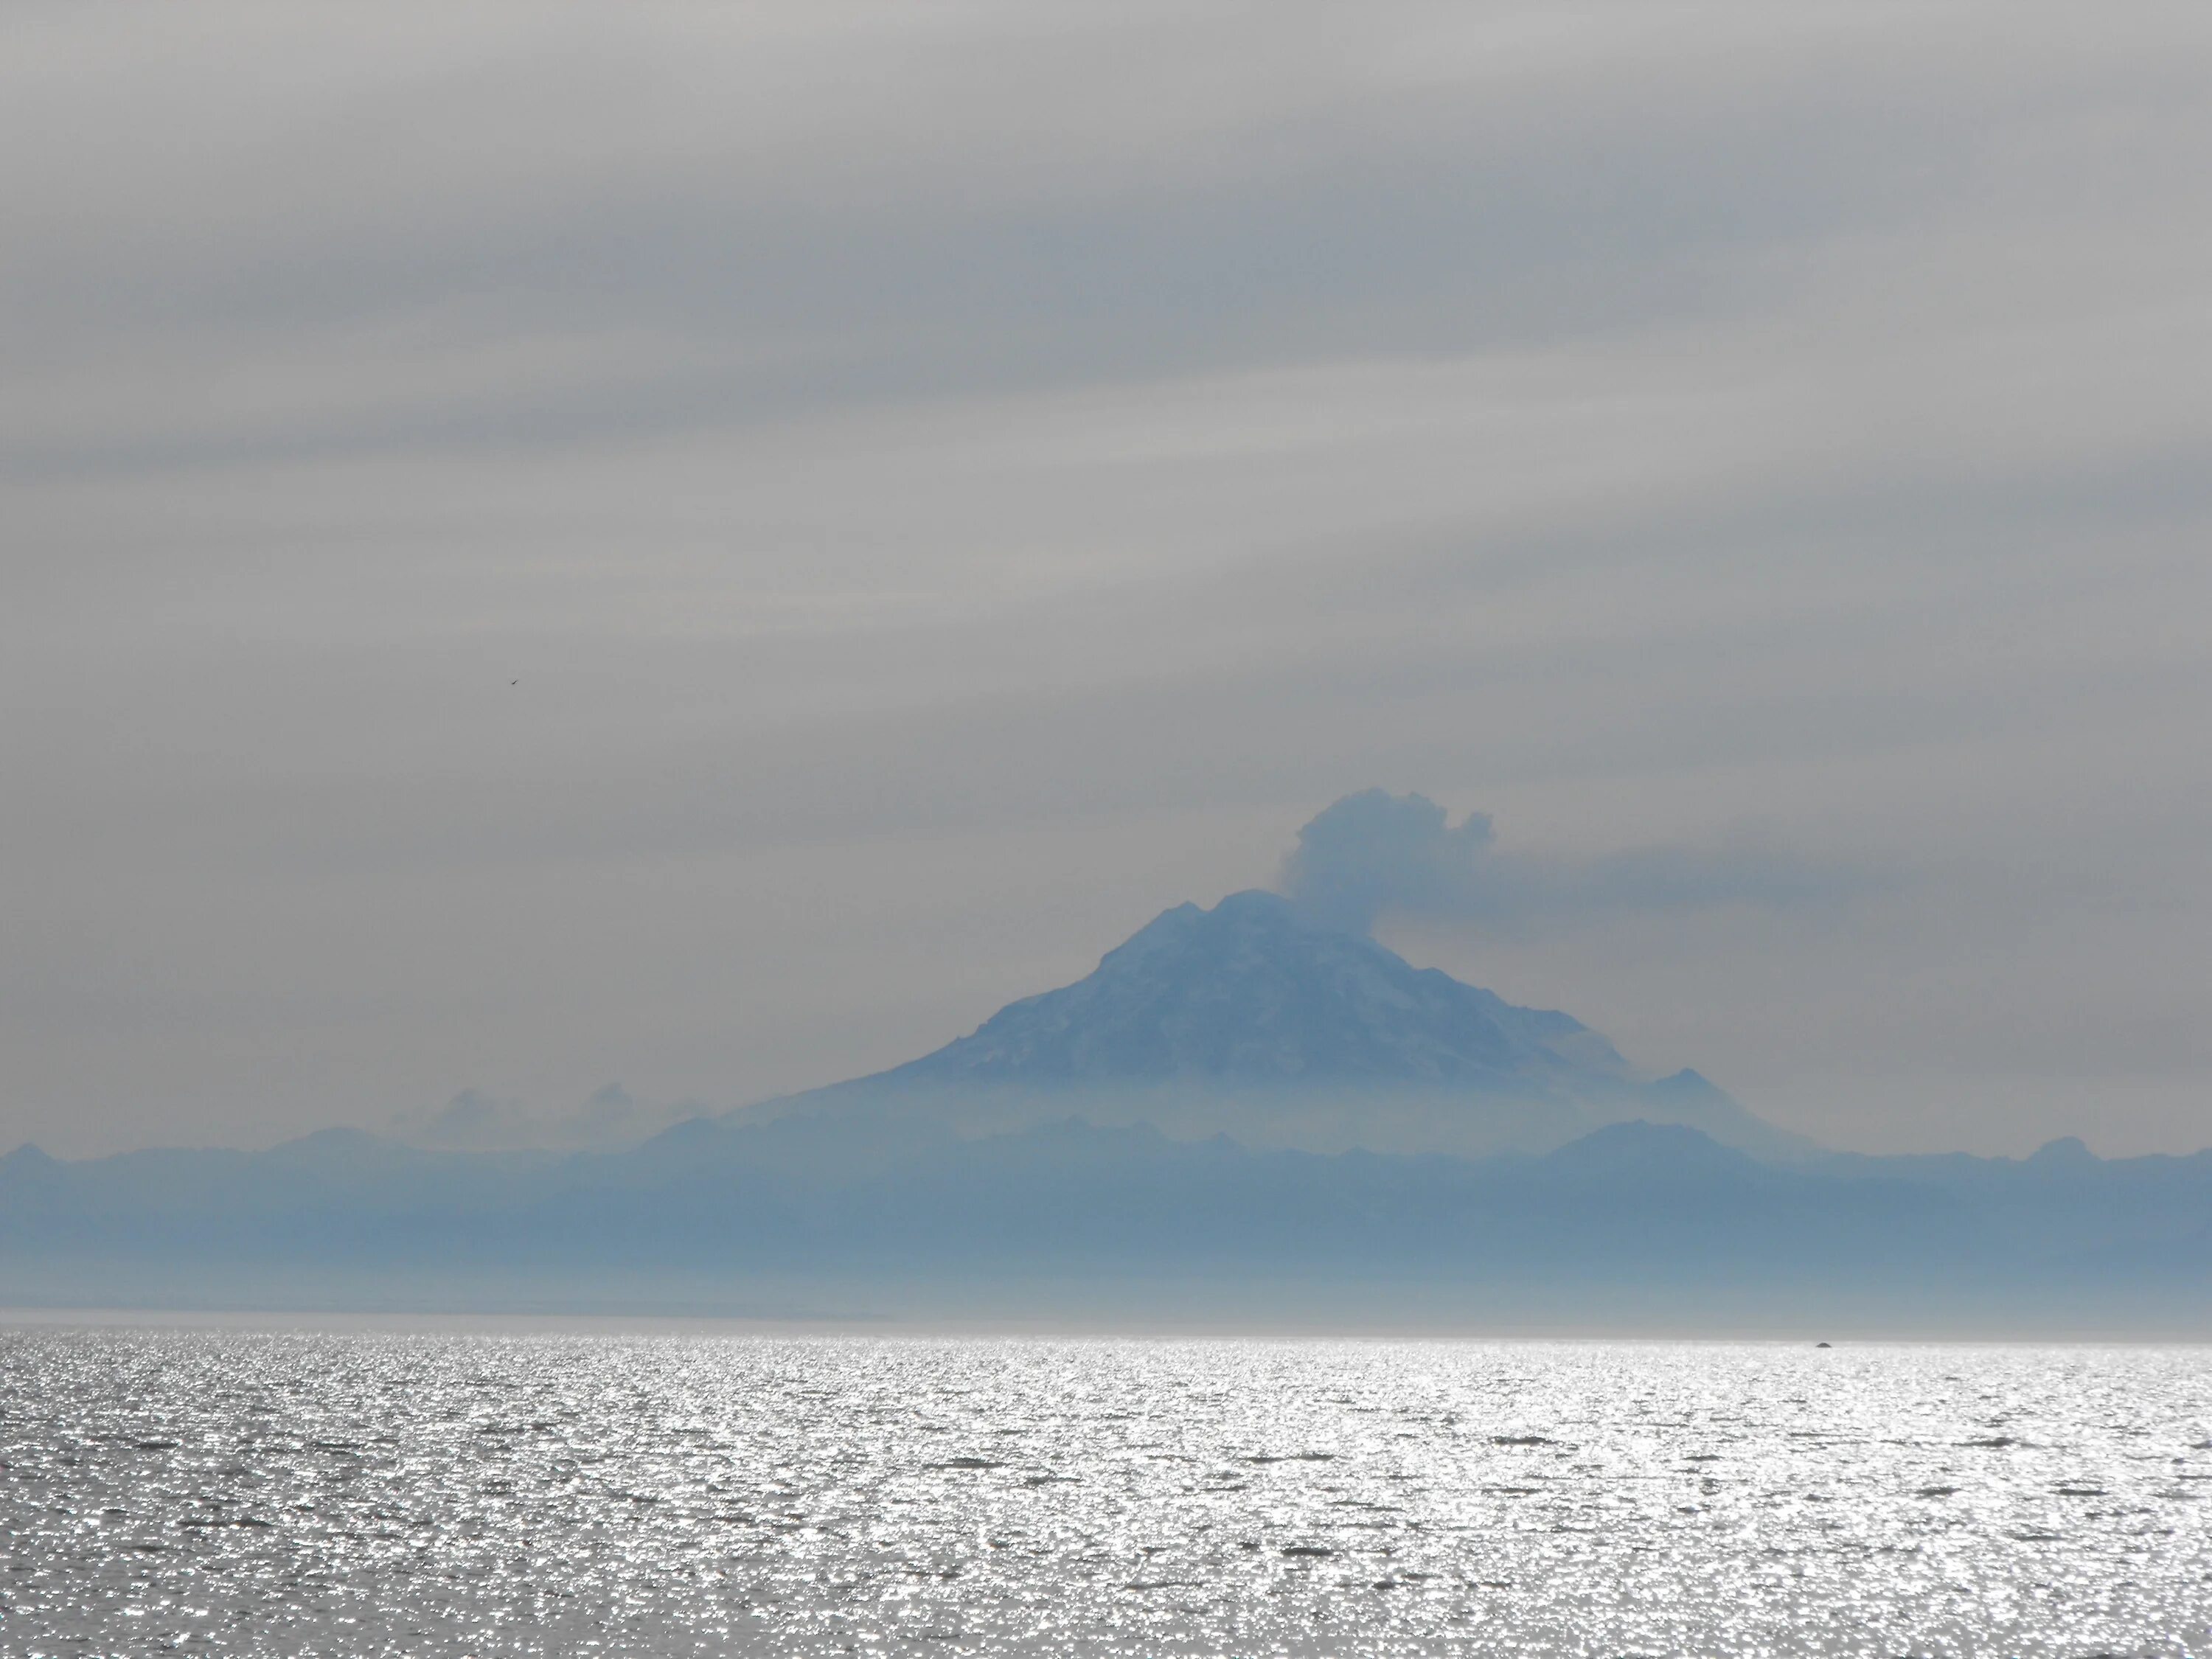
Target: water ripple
380, 1494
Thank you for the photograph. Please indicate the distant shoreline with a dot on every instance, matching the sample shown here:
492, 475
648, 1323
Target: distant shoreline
493, 1322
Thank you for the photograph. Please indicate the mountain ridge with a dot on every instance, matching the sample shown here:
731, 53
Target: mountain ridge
1634, 1225
1252, 1019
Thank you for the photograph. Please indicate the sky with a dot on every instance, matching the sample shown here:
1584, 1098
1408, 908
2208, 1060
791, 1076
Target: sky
705, 548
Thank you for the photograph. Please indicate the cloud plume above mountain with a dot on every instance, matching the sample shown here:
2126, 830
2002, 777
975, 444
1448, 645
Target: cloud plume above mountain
1374, 852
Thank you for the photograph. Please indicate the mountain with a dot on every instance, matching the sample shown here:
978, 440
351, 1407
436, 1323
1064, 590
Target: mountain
1249, 1019
1635, 1226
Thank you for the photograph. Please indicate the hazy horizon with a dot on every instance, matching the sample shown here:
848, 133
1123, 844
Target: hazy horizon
1394, 857
1438, 876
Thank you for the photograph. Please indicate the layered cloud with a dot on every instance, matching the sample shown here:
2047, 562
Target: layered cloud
714, 545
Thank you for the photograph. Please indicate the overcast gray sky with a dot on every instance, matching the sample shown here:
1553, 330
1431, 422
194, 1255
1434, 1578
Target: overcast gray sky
951, 481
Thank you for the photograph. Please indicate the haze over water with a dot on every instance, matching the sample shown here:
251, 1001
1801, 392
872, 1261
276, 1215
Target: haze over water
374, 1492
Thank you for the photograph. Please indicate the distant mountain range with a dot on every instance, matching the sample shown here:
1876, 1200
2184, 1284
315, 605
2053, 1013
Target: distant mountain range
1237, 1118
1635, 1226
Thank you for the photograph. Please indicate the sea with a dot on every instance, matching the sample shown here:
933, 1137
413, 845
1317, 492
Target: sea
464, 1491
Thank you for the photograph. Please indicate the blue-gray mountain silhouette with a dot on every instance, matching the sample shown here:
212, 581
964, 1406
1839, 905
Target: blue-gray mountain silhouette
1250, 1020
1634, 1226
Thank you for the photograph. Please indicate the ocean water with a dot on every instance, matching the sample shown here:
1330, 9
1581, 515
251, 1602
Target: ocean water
377, 1492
